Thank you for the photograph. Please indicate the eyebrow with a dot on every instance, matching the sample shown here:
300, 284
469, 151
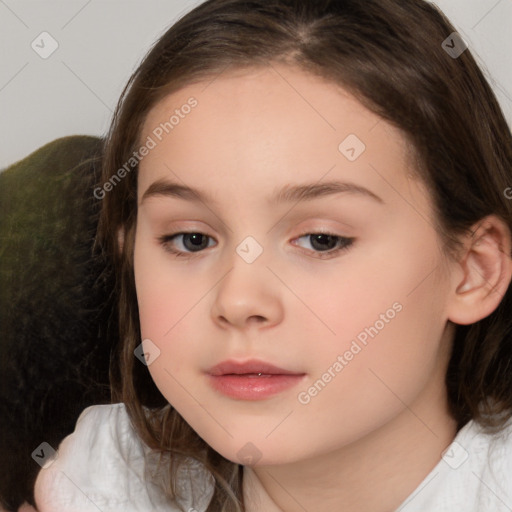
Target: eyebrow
288, 193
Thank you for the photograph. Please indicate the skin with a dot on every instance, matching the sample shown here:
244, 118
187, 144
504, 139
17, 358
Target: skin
374, 432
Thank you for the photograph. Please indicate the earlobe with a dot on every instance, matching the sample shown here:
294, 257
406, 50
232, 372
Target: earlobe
486, 264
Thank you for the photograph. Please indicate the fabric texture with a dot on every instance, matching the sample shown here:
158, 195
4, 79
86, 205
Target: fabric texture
473, 475
102, 465
55, 304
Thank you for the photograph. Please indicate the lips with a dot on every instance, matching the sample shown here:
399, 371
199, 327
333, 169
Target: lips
251, 367
251, 380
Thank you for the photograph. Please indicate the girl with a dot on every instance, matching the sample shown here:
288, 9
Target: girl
305, 202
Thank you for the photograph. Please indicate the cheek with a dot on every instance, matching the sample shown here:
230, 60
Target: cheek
166, 304
389, 325
164, 295
366, 285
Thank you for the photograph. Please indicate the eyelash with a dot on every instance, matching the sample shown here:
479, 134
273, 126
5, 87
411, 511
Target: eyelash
346, 243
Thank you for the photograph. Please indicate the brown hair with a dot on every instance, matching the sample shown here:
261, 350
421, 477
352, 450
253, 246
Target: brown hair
389, 55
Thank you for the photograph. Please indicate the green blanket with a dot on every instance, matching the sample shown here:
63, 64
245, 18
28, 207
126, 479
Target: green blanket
55, 301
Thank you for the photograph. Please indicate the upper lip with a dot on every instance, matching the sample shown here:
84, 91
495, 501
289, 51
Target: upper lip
250, 366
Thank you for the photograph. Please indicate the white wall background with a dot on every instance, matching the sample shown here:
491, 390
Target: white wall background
101, 42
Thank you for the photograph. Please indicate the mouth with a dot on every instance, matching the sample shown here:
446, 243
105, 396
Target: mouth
251, 380
251, 367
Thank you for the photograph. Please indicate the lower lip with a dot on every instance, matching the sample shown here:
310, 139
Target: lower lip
245, 387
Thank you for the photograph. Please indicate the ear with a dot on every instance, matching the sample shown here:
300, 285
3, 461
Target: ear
483, 274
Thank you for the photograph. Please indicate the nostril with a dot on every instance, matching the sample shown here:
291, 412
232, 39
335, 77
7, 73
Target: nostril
258, 318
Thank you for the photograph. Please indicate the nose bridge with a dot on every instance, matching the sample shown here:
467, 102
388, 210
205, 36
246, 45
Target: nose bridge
247, 291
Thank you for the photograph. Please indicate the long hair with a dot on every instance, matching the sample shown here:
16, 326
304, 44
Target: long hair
389, 54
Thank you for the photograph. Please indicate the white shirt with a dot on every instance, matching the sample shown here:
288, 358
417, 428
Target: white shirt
101, 466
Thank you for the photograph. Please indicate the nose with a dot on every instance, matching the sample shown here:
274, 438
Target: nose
248, 296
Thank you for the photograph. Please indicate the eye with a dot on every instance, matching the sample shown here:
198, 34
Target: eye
193, 242
328, 244
324, 245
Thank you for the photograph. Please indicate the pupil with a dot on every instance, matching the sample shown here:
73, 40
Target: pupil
195, 238
320, 237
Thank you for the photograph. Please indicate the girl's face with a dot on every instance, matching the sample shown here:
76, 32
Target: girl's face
359, 316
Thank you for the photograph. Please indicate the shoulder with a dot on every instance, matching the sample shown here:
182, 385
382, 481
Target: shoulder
499, 467
102, 464
474, 474
88, 460
488, 469
99, 428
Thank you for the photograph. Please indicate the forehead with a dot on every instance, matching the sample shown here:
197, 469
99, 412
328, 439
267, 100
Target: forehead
282, 89
256, 126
